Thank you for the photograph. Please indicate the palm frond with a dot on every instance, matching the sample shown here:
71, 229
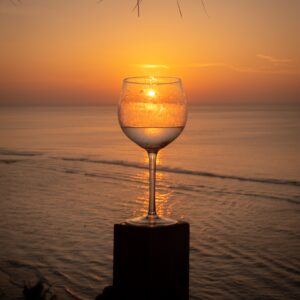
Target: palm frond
138, 7
16, 2
179, 8
204, 7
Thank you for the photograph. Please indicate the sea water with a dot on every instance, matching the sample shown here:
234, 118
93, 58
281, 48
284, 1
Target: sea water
67, 174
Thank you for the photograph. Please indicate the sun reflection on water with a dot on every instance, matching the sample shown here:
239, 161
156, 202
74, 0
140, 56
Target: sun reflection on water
163, 195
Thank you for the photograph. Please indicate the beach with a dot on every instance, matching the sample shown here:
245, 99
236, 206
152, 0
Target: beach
67, 174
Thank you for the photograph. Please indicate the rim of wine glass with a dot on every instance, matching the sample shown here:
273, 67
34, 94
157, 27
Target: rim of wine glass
157, 80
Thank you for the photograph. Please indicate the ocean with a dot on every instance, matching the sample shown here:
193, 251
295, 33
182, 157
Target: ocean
68, 174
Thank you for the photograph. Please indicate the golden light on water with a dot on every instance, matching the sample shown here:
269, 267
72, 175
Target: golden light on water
163, 197
159, 157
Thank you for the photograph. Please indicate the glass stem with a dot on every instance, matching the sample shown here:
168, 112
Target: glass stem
152, 179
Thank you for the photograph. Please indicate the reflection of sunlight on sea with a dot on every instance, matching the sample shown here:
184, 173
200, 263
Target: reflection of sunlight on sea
68, 175
163, 207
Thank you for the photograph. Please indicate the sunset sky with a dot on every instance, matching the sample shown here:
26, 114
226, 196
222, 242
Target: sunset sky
77, 52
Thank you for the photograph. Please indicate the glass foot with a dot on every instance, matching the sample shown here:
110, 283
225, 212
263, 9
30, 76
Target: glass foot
151, 221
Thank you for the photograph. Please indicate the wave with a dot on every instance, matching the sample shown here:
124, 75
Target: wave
8, 161
122, 163
185, 187
167, 169
4, 151
256, 195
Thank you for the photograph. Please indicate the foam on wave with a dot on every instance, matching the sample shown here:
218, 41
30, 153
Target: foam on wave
187, 172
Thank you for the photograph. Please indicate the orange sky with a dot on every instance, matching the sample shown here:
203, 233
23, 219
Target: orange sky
77, 52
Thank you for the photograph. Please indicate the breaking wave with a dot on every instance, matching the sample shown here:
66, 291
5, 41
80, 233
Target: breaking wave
187, 172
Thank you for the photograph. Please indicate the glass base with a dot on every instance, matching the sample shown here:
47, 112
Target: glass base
151, 221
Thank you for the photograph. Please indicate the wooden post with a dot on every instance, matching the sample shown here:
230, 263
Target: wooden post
151, 262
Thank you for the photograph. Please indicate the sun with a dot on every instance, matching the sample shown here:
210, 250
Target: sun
151, 93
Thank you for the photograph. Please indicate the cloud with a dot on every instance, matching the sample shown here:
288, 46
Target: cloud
271, 69
274, 60
150, 66
223, 65
276, 66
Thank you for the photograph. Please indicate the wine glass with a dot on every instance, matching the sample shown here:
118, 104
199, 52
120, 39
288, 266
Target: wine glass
152, 113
